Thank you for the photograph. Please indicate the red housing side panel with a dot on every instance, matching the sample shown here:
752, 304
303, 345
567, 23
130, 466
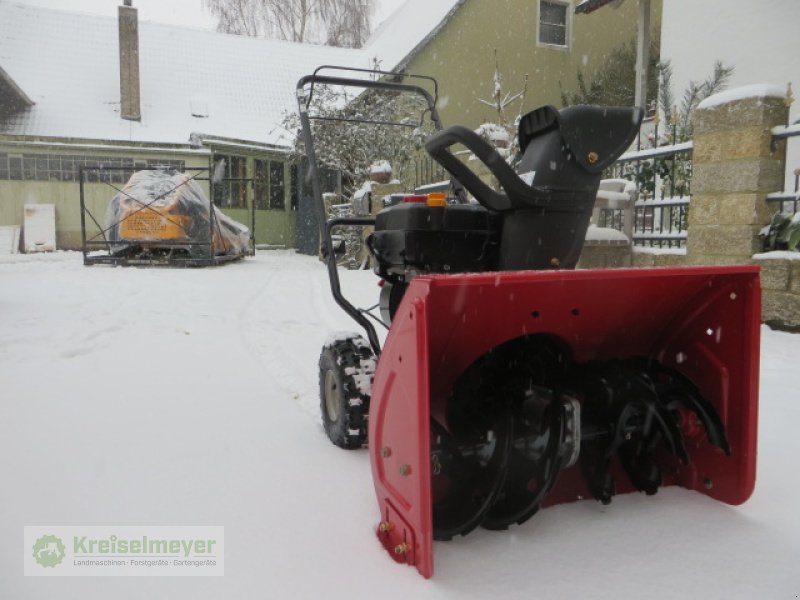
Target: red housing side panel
399, 433
702, 321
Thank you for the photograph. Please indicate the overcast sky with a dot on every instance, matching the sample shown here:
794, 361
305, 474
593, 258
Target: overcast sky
175, 12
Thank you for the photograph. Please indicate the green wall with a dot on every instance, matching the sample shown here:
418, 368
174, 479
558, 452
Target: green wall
461, 56
274, 227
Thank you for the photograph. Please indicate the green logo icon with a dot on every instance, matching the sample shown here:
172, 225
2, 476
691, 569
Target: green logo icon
49, 550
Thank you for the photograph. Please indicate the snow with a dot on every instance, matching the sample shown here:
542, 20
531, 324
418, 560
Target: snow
755, 90
787, 130
190, 396
605, 234
784, 195
666, 235
248, 83
656, 250
494, 133
656, 152
408, 29
213, 84
665, 201
777, 255
366, 188
380, 167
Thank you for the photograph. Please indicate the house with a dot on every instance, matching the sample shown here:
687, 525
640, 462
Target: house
78, 89
541, 39
188, 98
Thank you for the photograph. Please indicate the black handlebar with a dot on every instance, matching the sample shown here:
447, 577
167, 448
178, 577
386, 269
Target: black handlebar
518, 194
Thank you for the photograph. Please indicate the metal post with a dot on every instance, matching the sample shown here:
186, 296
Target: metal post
642, 54
304, 99
83, 214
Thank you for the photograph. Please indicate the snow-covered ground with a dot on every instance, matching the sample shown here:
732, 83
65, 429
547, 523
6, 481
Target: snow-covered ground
189, 397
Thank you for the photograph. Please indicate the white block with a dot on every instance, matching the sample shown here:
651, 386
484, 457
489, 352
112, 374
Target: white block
40, 227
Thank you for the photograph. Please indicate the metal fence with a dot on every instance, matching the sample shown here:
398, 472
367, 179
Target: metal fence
428, 172
787, 201
107, 239
663, 177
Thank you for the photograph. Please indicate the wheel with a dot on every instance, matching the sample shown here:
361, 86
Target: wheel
346, 369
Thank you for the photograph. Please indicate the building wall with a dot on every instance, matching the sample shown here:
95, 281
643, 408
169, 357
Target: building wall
32, 173
461, 56
273, 226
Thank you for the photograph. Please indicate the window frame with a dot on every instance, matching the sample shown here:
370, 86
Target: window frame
261, 183
277, 185
224, 192
567, 25
265, 184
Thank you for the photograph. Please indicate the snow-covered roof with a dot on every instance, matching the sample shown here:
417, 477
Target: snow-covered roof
11, 97
67, 63
756, 90
400, 37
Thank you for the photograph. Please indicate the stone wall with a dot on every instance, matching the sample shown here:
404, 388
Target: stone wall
735, 167
780, 290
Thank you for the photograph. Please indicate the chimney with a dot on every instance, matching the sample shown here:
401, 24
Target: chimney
129, 62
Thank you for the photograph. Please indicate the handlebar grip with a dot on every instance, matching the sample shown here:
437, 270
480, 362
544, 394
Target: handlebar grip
438, 146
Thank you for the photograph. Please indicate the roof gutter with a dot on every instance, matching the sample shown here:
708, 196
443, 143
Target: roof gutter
589, 6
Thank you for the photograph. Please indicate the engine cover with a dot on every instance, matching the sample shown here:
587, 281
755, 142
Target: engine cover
416, 238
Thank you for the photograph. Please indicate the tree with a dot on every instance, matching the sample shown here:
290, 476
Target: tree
354, 132
614, 84
331, 22
695, 93
503, 132
675, 173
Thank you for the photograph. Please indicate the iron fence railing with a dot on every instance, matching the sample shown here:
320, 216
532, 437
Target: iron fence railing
663, 179
786, 202
428, 172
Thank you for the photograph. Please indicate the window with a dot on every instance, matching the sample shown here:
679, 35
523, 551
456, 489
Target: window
553, 23
276, 187
65, 167
231, 191
269, 184
261, 184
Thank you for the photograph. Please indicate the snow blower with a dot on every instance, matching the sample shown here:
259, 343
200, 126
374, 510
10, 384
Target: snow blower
509, 381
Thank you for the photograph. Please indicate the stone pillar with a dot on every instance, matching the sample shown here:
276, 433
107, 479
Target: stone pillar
734, 169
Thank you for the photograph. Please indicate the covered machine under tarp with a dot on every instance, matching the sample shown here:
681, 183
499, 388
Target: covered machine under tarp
164, 214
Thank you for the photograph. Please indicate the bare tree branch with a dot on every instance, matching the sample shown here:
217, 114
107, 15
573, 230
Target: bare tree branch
332, 22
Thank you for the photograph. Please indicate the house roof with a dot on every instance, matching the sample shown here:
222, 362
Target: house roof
68, 65
12, 98
400, 37
589, 6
